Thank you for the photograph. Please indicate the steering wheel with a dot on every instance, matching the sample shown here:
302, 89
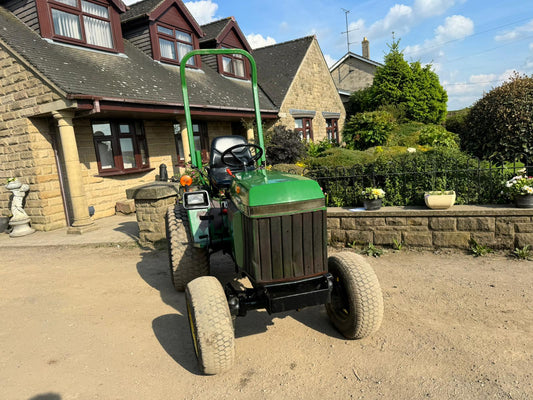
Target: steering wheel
243, 158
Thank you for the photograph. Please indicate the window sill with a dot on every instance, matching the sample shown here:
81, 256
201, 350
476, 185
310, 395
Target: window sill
120, 173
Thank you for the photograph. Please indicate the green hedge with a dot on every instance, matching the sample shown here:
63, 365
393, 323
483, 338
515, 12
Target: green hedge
406, 176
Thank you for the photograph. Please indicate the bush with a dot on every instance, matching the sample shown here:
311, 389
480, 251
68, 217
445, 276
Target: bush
368, 129
406, 176
437, 135
338, 156
500, 124
456, 121
283, 146
316, 149
406, 134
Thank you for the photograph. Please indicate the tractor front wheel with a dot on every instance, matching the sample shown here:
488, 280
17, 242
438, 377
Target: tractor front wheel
186, 261
211, 325
356, 307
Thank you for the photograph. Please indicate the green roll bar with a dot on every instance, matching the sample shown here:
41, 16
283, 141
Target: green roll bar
195, 155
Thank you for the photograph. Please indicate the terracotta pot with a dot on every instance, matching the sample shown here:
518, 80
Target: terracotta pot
372, 204
440, 200
524, 201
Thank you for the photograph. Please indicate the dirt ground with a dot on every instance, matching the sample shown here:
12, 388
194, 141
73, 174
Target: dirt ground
105, 323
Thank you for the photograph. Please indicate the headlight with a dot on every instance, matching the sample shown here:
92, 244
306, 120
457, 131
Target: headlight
198, 199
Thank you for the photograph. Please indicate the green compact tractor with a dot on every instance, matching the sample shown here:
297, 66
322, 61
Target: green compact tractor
273, 225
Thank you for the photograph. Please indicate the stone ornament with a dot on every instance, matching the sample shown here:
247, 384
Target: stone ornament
20, 221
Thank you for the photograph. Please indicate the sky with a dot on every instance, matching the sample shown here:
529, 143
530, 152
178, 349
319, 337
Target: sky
473, 45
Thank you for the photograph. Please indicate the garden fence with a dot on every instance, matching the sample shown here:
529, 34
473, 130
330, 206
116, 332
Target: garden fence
406, 181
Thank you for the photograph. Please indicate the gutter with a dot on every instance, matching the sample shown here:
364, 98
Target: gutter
98, 99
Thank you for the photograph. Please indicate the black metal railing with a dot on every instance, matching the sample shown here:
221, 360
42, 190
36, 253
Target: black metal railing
405, 182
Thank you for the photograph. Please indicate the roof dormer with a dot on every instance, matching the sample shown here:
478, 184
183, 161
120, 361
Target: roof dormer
88, 23
165, 30
226, 34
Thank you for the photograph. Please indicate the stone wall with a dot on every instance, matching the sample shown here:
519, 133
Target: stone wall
26, 144
313, 89
498, 227
353, 74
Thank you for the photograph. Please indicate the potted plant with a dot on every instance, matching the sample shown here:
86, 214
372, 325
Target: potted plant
372, 198
439, 199
520, 189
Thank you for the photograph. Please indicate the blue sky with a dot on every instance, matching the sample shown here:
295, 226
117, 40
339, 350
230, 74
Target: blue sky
473, 45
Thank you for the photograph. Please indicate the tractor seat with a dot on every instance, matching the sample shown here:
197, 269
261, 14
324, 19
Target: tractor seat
217, 169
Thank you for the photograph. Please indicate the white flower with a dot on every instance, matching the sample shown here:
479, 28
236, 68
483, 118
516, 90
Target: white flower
411, 150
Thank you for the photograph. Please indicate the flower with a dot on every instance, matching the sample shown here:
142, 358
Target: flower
519, 185
373, 193
411, 150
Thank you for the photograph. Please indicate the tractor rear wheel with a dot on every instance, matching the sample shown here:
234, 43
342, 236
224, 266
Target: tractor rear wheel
186, 261
211, 325
356, 307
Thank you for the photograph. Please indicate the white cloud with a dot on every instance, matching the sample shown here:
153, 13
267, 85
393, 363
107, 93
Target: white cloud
455, 27
516, 33
257, 40
430, 8
203, 10
329, 60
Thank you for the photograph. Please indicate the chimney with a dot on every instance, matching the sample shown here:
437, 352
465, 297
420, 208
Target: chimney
366, 48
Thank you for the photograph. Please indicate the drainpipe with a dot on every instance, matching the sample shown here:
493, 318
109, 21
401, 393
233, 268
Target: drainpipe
61, 182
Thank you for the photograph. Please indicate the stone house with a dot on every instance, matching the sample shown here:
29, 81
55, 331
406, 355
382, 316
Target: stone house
354, 72
91, 104
296, 78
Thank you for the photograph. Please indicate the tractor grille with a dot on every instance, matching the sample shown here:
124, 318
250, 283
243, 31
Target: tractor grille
286, 247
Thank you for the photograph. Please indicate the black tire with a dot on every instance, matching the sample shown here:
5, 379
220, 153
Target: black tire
211, 325
356, 307
186, 261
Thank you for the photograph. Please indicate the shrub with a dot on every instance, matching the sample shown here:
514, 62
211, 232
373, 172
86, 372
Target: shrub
289, 168
283, 146
338, 157
405, 177
368, 129
456, 121
500, 124
316, 149
437, 135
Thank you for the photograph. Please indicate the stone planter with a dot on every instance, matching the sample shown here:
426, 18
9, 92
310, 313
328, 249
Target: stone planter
524, 201
440, 199
372, 204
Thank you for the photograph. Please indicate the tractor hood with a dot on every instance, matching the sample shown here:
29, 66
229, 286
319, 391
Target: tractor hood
261, 193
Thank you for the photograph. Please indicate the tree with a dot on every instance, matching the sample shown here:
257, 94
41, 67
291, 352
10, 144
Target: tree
414, 90
283, 146
500, 124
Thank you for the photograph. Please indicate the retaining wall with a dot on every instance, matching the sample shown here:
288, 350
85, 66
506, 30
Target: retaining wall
498, 227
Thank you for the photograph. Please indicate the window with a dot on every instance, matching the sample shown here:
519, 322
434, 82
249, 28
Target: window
332, 129
304, 128
174, 44
120, 147
233, 65
81, 21
201, 141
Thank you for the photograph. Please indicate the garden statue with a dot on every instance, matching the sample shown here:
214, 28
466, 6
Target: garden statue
20, 222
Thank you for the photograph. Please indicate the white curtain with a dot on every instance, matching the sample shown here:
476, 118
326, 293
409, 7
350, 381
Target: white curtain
238, 65
98, 32
73, 3
66, 24
184, 49
94, 9
167, 49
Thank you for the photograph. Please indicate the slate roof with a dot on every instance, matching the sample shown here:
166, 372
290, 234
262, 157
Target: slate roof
277, 66
140, 9
132, 76
213, 29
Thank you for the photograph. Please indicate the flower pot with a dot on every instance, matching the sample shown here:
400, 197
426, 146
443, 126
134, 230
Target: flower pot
372, 204
440, 200
524, 201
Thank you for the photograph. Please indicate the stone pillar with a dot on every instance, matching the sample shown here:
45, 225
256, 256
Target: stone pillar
151, 204
250, 135
80, 210
185, 140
